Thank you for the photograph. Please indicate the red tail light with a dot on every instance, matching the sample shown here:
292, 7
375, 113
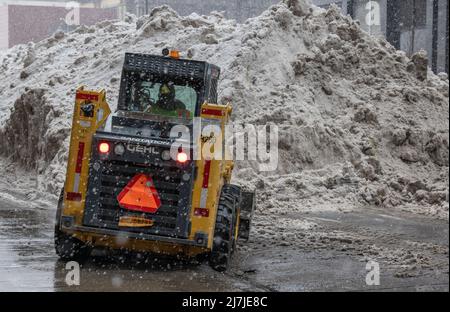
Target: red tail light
103, 148
201, 212
73, 196
182, 157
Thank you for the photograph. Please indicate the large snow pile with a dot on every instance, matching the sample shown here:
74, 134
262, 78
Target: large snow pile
360, 123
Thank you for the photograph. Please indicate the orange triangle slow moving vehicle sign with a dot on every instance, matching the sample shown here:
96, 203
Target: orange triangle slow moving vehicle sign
140, 194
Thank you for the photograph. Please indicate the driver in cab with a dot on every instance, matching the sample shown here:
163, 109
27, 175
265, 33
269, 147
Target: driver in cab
167, 103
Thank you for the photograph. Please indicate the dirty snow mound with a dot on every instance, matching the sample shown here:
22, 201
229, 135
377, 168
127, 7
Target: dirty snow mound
360, 123
31, 134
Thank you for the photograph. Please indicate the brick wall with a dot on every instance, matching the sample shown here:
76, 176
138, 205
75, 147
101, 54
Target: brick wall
34, 23
3, 27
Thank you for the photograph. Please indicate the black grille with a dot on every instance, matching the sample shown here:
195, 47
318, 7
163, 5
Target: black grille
162, 66
102, 207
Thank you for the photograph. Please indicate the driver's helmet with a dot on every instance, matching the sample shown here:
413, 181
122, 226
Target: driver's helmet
167, 91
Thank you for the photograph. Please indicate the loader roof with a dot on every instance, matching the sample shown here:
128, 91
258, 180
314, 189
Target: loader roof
161, 65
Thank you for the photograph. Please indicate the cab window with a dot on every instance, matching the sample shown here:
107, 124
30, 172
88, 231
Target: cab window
162, 98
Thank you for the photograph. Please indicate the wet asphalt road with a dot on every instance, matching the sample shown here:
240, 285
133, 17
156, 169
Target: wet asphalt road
28, 261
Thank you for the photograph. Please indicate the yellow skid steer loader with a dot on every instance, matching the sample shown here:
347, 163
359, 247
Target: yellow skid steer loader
126, 189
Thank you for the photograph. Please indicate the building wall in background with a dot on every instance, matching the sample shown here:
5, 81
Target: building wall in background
4, 27
236, 9
22, 23
441, 35
34, 23
406, 28
409, 25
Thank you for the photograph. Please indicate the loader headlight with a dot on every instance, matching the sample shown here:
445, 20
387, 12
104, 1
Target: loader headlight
119, 149
165, 155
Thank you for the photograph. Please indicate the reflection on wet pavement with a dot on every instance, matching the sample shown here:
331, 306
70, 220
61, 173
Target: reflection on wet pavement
28, 261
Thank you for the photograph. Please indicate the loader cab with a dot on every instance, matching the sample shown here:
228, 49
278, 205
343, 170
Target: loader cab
164, 88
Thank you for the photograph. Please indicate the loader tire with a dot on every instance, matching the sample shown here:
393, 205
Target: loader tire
67, 247
59, 210
225, 228
237, 193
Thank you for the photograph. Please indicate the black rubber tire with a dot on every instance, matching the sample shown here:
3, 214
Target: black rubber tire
225, 227
237, 193
59, 210
67, 247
